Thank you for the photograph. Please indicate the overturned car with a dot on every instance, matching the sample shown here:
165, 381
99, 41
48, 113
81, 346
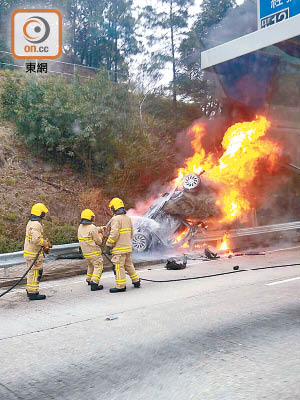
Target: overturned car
172, 215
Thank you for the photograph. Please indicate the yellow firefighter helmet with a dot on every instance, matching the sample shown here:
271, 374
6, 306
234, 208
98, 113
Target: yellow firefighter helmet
115, 204
39, 209
87, 214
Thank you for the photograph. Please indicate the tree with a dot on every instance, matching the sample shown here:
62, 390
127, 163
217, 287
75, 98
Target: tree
102, 34
211, 15
146, 81
169, 27
192, 84
120, 26
6, 7
84, 20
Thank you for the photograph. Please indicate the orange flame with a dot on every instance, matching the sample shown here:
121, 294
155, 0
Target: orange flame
224, 245
200, 246
181, 235
245, 145
199, 161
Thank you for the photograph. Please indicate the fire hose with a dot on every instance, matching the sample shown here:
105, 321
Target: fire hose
236, 270
22, 277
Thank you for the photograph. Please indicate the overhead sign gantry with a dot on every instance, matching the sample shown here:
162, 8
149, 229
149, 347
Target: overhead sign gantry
252, 42
270, 12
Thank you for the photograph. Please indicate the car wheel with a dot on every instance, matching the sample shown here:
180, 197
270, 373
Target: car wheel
140, 242
191, 182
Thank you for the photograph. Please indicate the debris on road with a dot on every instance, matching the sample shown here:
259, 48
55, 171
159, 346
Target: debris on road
210, 255
174, 265
249, 253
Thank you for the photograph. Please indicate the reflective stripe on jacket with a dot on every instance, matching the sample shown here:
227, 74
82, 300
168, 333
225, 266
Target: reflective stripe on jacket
120, 234
90, 240
33, 239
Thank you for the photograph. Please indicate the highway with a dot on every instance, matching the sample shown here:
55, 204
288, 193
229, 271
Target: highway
229, 337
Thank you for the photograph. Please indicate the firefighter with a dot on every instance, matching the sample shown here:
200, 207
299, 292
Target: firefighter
34, 240
90, 239
119, 245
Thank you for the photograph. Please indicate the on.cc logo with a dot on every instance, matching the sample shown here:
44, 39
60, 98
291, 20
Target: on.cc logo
42, 32
36, 33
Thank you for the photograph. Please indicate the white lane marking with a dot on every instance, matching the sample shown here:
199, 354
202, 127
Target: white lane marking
284, 281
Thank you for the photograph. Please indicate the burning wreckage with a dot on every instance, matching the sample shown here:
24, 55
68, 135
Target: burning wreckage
238, 179
166, 218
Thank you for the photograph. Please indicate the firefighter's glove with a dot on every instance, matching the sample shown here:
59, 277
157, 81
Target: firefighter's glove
108, 250
47, 246
100, 235
101, 229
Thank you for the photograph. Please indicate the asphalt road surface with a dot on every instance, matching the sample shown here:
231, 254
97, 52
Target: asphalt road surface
227, 337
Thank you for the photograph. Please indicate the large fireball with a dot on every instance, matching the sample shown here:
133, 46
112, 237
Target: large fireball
245, 147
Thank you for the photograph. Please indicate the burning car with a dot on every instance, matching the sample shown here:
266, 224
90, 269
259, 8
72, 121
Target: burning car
157, 227
227, 195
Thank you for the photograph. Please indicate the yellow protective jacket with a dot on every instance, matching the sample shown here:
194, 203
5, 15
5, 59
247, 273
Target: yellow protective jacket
34, 239
90, 240
120, 236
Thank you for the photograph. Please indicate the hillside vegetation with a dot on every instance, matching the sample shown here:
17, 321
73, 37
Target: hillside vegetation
26, 179
76, 144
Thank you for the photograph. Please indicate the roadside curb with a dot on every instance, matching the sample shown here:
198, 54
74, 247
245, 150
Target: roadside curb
69, 271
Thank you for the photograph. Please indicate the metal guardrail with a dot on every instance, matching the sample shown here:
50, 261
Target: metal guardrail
8, 260
59, 67
256, 230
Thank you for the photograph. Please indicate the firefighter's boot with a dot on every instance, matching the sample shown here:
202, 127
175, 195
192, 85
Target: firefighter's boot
137, 284
95, 286
116, 290
36, 296
88, 282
